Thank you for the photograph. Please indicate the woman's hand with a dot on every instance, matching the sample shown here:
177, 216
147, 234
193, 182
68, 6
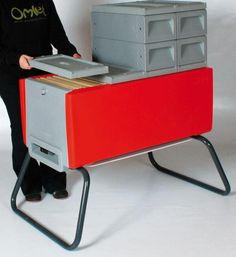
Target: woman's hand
76, 55
24, 62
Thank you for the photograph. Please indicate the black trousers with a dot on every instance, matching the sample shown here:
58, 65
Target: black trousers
37, 175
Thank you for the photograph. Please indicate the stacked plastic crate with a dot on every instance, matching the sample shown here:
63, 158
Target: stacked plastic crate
148, 36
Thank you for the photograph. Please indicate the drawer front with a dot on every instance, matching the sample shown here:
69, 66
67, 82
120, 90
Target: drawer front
161, 56
192, 51
45, 124
191, 24
160, 27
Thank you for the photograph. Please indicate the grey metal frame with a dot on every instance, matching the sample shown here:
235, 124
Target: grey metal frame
216, 161
85, 191
43, 229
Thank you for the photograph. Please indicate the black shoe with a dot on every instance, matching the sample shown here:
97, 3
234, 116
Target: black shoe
60, 194
33, 197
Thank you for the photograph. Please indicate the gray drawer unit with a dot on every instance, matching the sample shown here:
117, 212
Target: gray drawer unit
143, 35
135, 56
42, 133
192, 52
191, 24
134, 28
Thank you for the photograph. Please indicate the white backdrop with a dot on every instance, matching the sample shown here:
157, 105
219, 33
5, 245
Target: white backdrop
161, 217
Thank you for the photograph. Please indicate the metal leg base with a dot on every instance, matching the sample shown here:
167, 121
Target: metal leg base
216, 161
81, 216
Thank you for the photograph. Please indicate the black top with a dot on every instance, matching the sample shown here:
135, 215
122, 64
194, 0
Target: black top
29, 27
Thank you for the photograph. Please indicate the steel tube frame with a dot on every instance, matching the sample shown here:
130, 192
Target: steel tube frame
85, 191
216, 161
43, 229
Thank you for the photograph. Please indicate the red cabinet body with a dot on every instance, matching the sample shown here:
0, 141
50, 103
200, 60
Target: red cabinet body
110, 120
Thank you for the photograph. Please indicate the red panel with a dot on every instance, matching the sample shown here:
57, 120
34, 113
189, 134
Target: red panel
110, 120
23, 108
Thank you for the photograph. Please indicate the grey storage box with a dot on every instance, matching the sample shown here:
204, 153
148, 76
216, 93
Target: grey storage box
134, 28
135, 56
192, 53
142, 35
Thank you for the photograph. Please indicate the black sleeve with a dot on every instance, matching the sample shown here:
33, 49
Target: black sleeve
57, 33
8, 57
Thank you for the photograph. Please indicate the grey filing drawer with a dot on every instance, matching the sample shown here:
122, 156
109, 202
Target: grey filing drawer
134, 28
191, 24
135, 56
191, 51
42, 133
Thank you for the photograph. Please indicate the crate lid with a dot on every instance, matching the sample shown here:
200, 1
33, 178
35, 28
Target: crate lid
149, 7
67, 66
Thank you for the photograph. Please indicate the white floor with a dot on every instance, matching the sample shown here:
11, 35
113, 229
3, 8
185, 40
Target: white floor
133, 210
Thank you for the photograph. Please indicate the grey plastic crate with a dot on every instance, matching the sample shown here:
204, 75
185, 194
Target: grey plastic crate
135, 56
192, 52
134, 28
191, 24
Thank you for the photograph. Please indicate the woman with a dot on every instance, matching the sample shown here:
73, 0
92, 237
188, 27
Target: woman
29, 28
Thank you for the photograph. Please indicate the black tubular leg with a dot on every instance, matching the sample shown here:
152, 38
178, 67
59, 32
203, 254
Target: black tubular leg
216, 161
81, 216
